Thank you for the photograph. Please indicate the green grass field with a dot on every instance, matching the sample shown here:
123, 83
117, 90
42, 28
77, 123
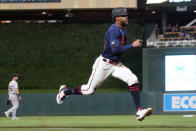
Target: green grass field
99, 123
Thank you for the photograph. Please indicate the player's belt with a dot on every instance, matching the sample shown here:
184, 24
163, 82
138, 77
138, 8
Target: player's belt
109, 61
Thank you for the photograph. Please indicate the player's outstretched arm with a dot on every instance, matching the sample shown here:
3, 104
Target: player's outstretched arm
120, 49
117, 48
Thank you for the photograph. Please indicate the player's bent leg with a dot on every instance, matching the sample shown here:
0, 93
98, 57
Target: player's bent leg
96, 79
125, 74
99, 73
134, 89
141, 113
87, 91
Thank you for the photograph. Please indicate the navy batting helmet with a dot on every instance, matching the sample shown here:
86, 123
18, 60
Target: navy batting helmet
119, 12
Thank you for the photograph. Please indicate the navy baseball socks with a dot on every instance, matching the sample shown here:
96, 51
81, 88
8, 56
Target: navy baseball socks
136, 95
76, 91
65, 92
141, 113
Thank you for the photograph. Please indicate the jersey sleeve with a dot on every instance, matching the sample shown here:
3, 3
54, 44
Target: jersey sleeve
117, 48
114, 38
16, 85
13, 85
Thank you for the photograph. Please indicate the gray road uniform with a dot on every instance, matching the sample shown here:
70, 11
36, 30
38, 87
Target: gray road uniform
12, 87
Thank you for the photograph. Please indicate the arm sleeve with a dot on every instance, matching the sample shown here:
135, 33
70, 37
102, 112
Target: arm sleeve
16, 85
117, 48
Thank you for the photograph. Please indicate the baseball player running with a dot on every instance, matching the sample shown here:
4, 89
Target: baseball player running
13, 93
108, 64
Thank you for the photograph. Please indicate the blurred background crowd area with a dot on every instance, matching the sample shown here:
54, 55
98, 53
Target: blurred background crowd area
176, 32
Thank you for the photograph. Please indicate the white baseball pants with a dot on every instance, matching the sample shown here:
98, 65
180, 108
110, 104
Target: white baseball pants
15, 104
102, 70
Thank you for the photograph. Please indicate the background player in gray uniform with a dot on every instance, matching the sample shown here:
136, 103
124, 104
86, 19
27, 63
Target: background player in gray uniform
13, 93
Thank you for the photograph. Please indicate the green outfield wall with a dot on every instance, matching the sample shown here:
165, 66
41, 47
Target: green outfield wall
48, 55
97, 104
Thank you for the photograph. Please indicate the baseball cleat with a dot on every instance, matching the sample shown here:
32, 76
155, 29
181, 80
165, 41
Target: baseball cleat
7, 115
61, 95
141, 114
15, 118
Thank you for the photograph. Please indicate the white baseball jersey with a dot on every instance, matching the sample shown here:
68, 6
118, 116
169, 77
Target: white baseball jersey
13, 85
